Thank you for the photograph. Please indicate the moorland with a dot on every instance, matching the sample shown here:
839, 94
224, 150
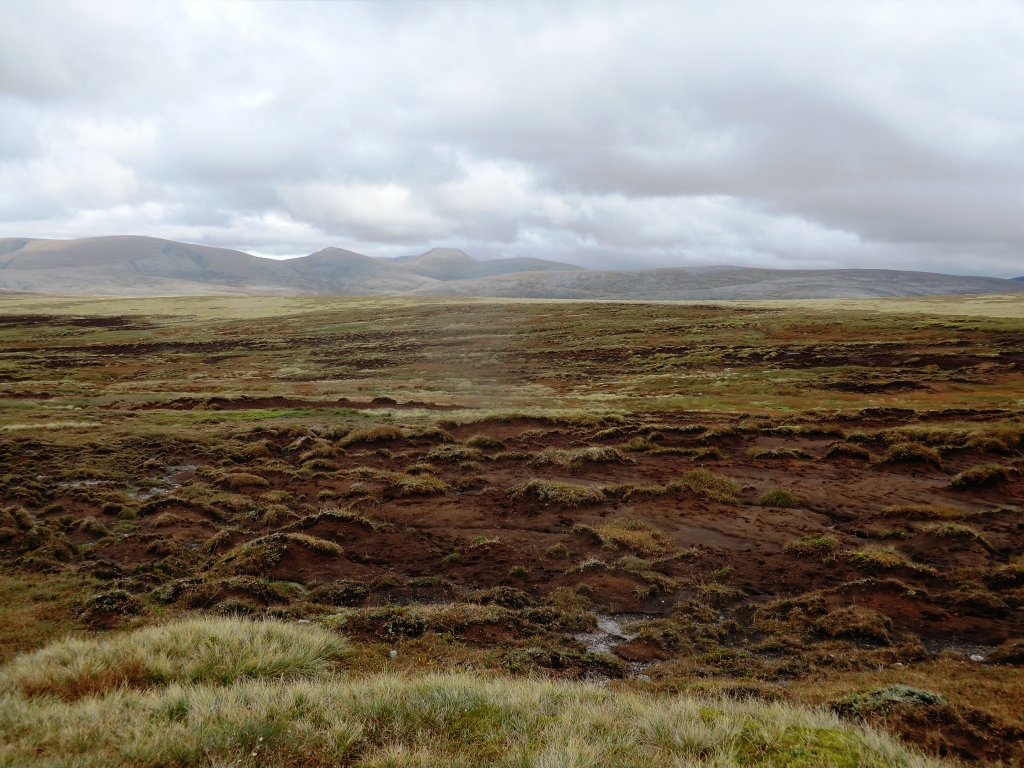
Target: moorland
510, 532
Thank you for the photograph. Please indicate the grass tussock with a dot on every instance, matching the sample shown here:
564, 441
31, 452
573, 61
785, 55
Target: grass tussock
847, 450
708, 485
778, 497
566, 494
634, 535
815, 544
878, 558
925, 512
451, 454
982, 476
578, 458
381, 433
778, 453
912, 453
316, 544
485, 442
206, 650
456, 720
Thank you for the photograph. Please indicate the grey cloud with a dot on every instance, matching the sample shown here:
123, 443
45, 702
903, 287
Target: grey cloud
615, 134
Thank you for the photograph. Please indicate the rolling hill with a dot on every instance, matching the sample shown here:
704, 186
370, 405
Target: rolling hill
146, 266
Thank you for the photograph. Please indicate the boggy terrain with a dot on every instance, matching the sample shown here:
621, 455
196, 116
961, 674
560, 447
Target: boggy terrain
862, 550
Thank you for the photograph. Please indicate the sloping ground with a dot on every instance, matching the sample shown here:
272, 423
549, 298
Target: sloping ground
144, 266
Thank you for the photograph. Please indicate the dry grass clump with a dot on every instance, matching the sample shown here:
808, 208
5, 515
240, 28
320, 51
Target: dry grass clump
575, 459
625, 491
778, 497
398, 484
450, 454
203, 650
456, 720
824, 544
925, 512
315, 544
557, 552
982, 476
855, 621
634, 535
380, 433
878, 558
912, 453
953, 530
239, 480
847, 450
254, 558
485, 442
566, 494
778, 453
276, 514
708, 485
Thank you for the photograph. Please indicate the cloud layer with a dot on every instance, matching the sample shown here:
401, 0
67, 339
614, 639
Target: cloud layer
607, 134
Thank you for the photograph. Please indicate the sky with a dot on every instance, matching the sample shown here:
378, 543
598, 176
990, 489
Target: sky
609, 135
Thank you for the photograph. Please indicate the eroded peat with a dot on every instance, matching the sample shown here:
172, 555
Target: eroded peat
779, 503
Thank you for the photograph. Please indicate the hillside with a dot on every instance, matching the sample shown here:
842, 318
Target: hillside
146, 266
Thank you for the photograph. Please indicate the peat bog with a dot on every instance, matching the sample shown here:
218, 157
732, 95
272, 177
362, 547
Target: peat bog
818, 506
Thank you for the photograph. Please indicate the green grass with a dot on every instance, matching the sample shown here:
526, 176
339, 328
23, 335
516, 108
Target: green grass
565, 494
708, 485
781, 498
192, 694
202, 650
823, 544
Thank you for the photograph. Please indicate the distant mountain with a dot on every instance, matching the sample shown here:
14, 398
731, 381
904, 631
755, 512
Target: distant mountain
1018, 278
147, 266
453, 264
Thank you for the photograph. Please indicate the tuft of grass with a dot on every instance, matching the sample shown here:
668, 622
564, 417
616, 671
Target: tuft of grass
566, 494
855, 621
778, 453
485, 442
277, 514
576, 459
557, 552
779, 497
381, 433
201, 650
708, 485
450, 454
877, 558
982, 476
912, 453
239, 480
925, 512
847, 450
315, 544
254, 558
953, 530
823, 544
635, 535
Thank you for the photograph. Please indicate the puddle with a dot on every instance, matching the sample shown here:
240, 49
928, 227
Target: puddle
609, 634
168, 483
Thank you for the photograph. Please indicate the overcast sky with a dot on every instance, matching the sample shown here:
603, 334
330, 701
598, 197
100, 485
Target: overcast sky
815, 134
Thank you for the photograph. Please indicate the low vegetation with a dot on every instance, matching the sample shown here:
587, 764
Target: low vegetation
801, 506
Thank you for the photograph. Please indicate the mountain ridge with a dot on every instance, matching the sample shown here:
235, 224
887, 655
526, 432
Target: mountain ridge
132, 265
